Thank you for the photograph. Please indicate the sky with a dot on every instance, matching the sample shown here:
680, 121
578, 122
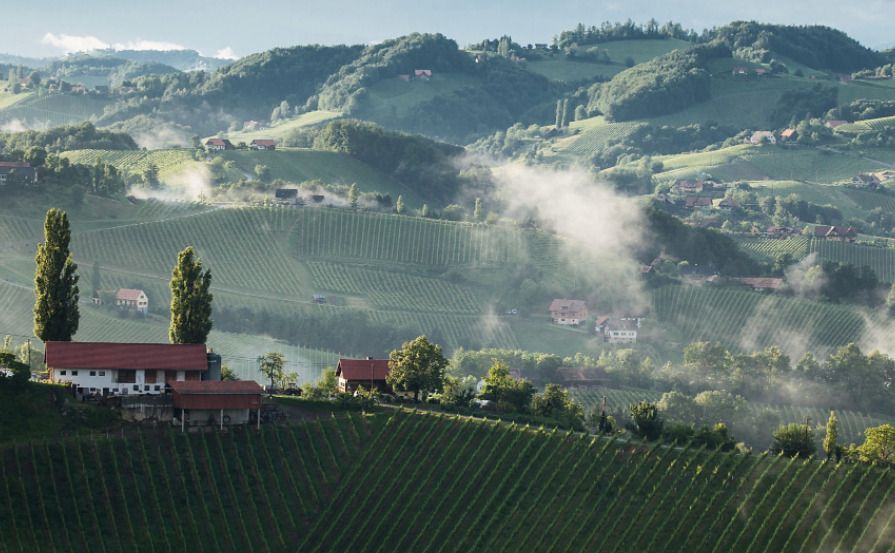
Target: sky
235, 28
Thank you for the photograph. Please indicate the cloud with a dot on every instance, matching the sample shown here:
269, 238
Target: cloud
147, 45
13, 126
226, 54
71, 44
87, 43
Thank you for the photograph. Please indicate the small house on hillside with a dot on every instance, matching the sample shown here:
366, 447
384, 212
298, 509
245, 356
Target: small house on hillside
135, 368
789, 135
19, 168
287, 196
865, 180
369, 373
776, 231
530, 375
688, 187
422, 74
702, 204
725, 204
263, 144
836, 233
617, 330
568, 312
217, 402
132, 300
582, 377
218, 144
761, 136
833, 123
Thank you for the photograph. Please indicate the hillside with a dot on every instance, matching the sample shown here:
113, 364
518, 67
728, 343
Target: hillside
435, 484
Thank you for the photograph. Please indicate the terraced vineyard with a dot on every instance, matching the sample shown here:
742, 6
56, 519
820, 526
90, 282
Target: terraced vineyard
749, 321
597, 137
55, 110
767, 249
341, 234
880, 259
169, 162
433, 483
393, 290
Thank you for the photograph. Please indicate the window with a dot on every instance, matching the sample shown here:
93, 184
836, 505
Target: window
157, 387
136, 387
102, 373
146, 388
92, 373
74, 373
62, 373
114, 390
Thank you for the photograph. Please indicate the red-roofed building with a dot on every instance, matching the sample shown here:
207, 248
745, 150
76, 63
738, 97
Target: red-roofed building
837, 233
568, 312
221, 402
121, 369
422, 74
263, 144
369, 373
789, 134
761, 284
219, 144
131, 299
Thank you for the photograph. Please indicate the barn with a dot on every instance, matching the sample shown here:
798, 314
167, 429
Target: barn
215, 402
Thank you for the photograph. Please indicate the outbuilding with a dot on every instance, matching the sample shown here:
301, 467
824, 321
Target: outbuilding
369, 373
216, 402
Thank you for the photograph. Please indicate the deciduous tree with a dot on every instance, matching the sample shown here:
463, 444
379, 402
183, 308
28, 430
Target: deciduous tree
272, 365
190, 300
794, 440
56, 315
879, 447
417, 367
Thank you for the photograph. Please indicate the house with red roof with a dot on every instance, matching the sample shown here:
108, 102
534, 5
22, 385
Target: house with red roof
128, 368
422, 74
263, 144
865, 180
568, 312
369, 373
219, 144
762, 284
132, 300
582, 377
218, 402
836, 233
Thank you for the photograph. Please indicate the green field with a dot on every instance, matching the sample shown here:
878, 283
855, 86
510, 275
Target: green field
395, 97
170, 163
282, 129
567, 71
428, 483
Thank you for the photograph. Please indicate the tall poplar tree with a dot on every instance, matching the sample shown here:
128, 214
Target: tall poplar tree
190, 300
56, 314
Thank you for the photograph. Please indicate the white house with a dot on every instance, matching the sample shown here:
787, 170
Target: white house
130, 298
122, 369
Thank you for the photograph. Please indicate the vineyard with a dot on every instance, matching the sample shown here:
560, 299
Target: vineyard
428, 483
749, 321
54, 110
170, 163
880, 259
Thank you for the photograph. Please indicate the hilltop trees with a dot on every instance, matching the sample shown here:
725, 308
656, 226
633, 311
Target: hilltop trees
794, 440
190, 300
508, 393
417, 367
56, 314
879, 447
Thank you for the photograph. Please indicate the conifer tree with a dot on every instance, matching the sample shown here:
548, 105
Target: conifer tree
831, 440
190, 300
399, 205
477, 212
56, 314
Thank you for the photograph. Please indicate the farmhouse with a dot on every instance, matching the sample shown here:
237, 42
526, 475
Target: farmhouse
688, 186
219, 402
864, 180
725, 204
788, 135
702, 204
582, 377
837, 233
135, 368
219, 144
761, 136
369, 373
422, 74
263, 144
20, 168
568, 312
132, 300
780, 232
287, 196
618, 329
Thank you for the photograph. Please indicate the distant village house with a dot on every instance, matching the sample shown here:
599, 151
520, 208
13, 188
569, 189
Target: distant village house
131, 299
762, 284
219, 144
761, 136
568, 312
287, 196
19, 168
865, 180
582, 377
263, 144
836, 233
219, 402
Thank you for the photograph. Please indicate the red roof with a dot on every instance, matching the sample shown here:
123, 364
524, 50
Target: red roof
105, 355
14, 164
128, 294
568, 306
263, 142
215, 387
359, 369
218, 142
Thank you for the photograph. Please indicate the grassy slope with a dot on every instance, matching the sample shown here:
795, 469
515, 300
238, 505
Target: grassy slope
282, 129
434, 484
56, 109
